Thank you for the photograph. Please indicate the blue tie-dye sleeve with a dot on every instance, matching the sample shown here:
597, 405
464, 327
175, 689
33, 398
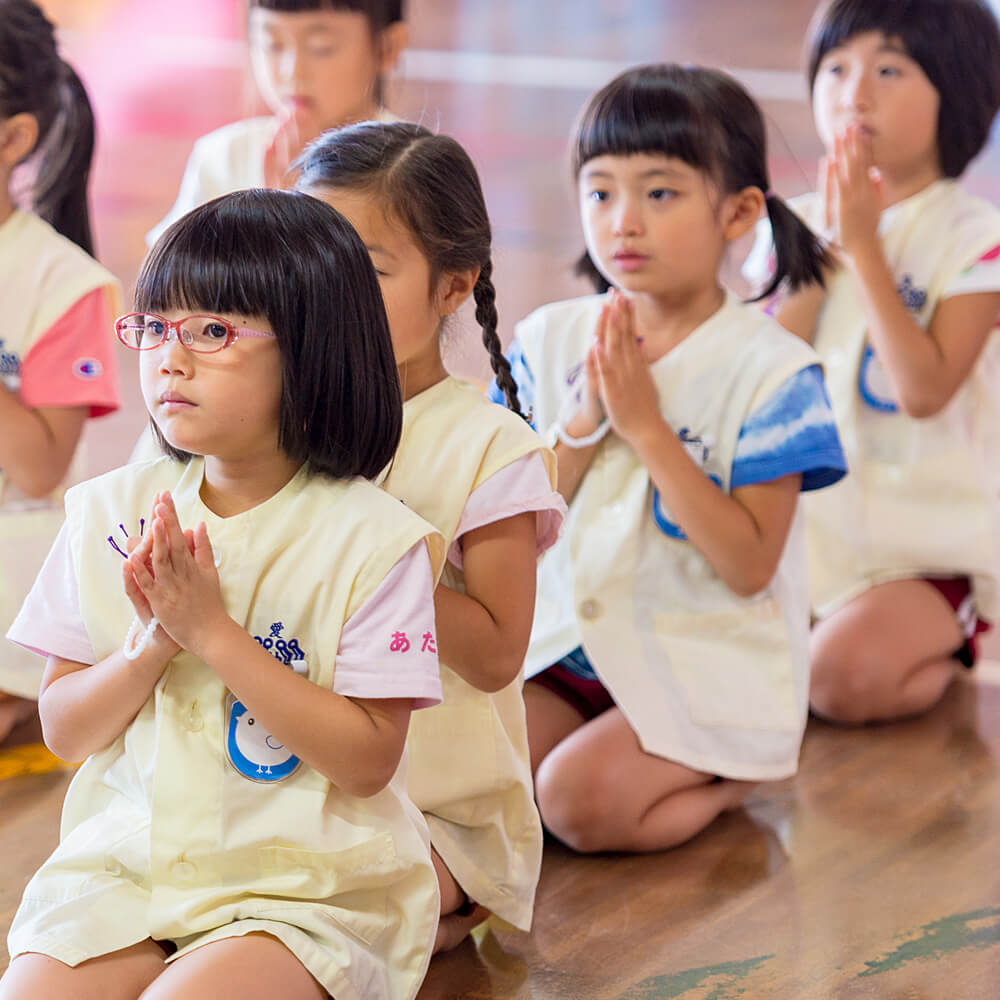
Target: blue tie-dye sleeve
794, 431
523, 378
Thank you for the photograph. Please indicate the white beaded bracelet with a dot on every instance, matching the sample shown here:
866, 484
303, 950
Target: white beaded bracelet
583, 442
132, 649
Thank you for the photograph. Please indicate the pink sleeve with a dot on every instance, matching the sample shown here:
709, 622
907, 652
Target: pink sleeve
73, 362
517, 488
49, 622
388, 647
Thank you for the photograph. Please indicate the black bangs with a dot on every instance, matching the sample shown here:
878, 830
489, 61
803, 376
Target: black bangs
213, 260
915, 24
379, 12
649, 110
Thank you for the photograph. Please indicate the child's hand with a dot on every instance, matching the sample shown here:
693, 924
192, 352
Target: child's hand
179, 581
295, 130
626, 386
852, 193
140, 551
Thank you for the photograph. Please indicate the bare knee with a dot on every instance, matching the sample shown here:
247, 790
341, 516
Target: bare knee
844, 682
574, 807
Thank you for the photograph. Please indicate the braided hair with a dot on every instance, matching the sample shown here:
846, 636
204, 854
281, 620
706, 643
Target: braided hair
429, 183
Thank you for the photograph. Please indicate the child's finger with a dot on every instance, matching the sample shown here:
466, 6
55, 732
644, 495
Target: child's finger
168, 513
203, 554
140, 573
162, 563
826, 178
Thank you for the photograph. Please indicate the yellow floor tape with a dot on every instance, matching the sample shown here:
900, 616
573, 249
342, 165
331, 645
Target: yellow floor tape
29, 758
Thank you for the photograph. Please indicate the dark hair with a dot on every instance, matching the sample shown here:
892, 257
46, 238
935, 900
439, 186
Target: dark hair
295, 261
706, 119
35, 80
955, 42
380, 14
428, 183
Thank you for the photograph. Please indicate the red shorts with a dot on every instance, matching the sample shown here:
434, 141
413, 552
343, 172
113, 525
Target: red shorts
589, 698
957, 591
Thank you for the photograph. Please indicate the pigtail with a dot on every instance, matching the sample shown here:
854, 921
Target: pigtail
801, 256
485, 297
586, 268
59, 194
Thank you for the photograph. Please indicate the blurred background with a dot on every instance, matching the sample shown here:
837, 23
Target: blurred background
506, 79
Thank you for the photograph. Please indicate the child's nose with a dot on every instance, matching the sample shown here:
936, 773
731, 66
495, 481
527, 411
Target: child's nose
628, 219
858, 91
173, 355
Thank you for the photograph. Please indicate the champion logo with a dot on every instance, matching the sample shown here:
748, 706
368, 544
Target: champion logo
88, 368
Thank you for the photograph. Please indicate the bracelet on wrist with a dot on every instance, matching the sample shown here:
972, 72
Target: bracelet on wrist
136, 643
587, 440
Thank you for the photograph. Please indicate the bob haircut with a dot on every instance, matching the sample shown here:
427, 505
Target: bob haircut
293, 260
955, 42
706, 119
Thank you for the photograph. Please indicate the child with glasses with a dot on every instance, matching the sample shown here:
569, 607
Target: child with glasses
317, 64
484, 479
236, 635
57, 365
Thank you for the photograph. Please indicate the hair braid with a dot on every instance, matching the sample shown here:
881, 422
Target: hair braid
486, 316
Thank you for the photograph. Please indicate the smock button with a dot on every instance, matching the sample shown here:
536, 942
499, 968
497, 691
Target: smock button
590, 609
112, 866
184, 871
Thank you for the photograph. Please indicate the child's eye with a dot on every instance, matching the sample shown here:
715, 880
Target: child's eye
835, 68
888, 71
662, 194
215, 331
598, 195
321, 51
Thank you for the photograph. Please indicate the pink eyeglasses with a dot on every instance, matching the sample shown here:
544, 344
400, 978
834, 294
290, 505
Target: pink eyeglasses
201, 334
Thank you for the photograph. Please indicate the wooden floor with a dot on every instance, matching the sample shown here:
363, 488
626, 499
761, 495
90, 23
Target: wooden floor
876, 872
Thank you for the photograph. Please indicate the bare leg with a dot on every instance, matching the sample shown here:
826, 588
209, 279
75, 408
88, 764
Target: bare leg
550, 720
459, 914
121, 975
14, 711
885, 655
239, 968
598, 790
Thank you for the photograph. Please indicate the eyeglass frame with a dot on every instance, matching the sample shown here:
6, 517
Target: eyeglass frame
233, 332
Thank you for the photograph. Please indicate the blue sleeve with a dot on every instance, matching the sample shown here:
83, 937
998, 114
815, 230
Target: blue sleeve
523, 378
793, 432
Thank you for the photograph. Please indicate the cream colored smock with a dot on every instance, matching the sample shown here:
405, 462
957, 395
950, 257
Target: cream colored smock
470, 770
711, 680
161, 836
923, 496
51, 274
229, 159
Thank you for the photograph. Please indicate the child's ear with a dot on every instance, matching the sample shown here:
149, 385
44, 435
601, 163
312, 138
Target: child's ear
18, 135
740, 212
454, 288
393, 39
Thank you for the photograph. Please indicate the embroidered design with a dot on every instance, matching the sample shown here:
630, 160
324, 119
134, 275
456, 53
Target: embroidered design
285, 650
10, 363
912, 297
111, 538
88, 368
255, 753
873, 385
399, 644
428, 646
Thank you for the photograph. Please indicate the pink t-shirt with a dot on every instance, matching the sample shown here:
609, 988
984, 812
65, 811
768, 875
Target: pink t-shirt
517, 488
387, 647
73, 363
